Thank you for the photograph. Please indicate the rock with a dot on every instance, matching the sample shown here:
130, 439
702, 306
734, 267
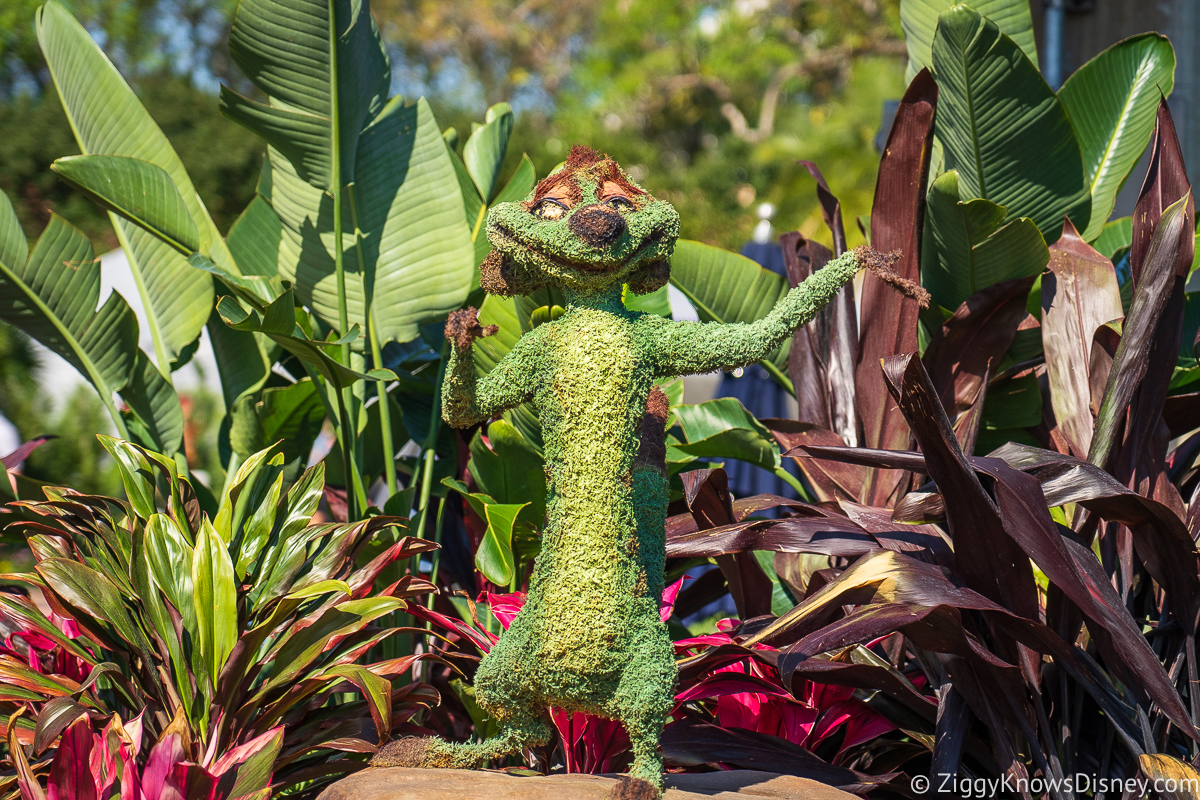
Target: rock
399, 783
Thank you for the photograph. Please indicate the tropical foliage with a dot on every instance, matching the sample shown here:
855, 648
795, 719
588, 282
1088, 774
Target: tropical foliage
990, 569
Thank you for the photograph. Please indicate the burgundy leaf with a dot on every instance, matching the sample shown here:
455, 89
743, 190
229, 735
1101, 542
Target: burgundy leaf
988, 560
831, 208
923, 542
1161, 255
1166, 183
1079, 294
1181, 413
335, 499
14, 459
1104, 348
978, 335
53, 718
966, 427
1074, 570
707, 494
821, 363
889, 319
871, 677
820, 533
1162, 540
831, 481
749, 585
692, 743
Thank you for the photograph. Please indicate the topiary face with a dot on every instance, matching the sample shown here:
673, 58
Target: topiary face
587, 227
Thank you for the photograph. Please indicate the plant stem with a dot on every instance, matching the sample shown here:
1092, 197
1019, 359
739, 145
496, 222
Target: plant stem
355, 495
479, 221
430, 450
435, 556
385, 412
152, 321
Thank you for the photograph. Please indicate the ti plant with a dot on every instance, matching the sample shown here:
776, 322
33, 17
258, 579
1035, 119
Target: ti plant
218, 631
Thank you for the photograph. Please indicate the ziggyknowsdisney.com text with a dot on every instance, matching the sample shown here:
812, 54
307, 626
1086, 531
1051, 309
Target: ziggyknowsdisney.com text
950, 783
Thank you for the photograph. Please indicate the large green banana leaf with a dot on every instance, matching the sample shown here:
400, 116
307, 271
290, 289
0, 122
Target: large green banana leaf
136, 190
1112, 101
52, 293
107, 118
1002, 127
968, 246
411, 259
919, 19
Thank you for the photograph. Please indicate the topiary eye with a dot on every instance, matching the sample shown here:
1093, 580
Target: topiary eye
620, 203
550, 209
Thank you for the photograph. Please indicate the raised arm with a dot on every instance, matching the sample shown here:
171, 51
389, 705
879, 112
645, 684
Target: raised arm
687, 348
467, 400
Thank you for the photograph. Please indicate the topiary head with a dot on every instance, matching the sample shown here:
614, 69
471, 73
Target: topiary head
586, 228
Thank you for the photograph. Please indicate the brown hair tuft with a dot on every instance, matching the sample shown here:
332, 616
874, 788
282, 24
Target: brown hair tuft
583, 156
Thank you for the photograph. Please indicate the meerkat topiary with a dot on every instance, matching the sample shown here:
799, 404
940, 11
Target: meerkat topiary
590, 637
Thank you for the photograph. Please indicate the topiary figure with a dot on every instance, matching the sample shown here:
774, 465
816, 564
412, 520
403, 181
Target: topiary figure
590, 637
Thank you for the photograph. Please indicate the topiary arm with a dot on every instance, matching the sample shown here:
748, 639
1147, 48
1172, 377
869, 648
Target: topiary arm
467, 399
687, 348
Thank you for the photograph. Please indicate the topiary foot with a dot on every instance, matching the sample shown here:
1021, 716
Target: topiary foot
628, 788
407, 752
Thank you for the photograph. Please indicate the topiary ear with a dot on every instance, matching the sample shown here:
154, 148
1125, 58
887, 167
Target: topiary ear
650, 277
503, 277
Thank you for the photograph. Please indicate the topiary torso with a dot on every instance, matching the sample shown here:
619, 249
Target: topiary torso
590, 637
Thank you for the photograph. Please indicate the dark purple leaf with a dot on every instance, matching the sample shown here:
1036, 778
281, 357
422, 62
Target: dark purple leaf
871, 677
923, 542
889, 319
820, 533
966, 427
831, 481
986, 558
16, 457
1074, 570
720, 684
831, 208
707, 494
692, 743
978, 335
1181, 413
1079, 294
821, 361
1163, 244
1166, 183
1162, 540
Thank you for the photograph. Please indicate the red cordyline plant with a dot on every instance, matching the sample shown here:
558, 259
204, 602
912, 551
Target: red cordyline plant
106, 765
234, 637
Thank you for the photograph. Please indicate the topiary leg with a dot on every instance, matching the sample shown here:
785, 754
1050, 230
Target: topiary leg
646, 696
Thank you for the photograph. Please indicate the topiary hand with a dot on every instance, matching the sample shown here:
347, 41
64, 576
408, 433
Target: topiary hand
463, 328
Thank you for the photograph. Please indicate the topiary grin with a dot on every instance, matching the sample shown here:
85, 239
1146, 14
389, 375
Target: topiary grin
590, 637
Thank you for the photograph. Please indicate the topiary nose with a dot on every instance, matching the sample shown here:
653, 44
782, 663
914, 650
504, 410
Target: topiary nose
597, 225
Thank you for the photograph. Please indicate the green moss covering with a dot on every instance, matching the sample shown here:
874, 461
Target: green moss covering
590, 637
